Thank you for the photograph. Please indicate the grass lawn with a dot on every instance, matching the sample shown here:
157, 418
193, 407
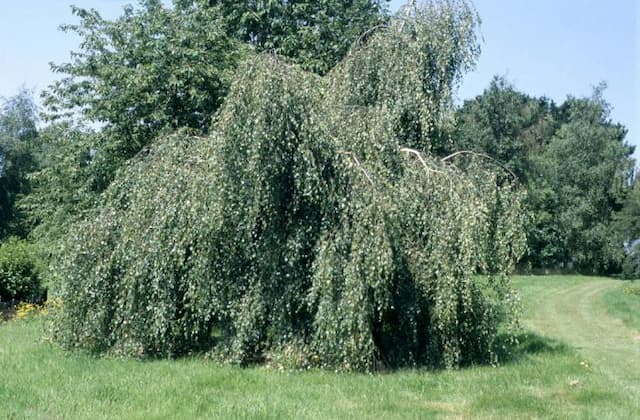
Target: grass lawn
623, 302
578, 359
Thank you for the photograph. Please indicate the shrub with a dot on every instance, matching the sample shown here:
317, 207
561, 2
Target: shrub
631, 263
19, 272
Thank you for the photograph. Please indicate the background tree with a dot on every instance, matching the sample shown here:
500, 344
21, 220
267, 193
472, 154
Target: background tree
506, 124
313, 33
573, 161
627, 225
152, 69
628, 218
587, 165
18, 157
65, 185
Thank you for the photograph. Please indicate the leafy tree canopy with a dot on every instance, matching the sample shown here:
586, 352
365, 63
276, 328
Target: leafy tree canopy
508, 125
313, 33
156, 69
64, 184
151, 70
587, 165
573, 161
628, 218
18, 134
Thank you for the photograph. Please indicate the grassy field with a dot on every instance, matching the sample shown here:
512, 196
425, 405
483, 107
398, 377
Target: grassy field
623, 302
579, 358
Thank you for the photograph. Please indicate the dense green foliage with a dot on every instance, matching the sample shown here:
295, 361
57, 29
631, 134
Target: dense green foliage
308, 222
18, 137
20, 147
65, 184
627, 220
587, 165
508, 125
631, 263
575, 165
627, 224
313, 33
156, 69
19, 271
151, 70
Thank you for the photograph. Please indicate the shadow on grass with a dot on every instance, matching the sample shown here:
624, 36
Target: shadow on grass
7, 311
512, 349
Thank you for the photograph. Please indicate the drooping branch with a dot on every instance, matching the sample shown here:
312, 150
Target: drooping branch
359, 165
409, 10
482, 155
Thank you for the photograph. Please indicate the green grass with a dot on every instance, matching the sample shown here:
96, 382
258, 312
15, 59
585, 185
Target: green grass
556, 372
623, 302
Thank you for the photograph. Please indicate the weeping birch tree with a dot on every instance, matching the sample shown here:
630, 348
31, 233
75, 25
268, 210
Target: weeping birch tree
314, 226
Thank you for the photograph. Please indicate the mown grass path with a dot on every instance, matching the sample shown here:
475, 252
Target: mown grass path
571, 310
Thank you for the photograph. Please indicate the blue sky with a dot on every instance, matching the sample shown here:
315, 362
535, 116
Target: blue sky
553, 48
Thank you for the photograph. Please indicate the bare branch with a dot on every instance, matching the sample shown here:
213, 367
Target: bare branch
420, 158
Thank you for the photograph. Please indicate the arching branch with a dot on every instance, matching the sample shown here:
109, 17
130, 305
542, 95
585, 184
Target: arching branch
420, 158
368, 32
482, 155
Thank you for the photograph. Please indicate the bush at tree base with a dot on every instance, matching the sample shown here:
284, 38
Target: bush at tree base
20, 272
308, 222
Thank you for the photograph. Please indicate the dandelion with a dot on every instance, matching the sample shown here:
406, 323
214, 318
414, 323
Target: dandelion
24, 310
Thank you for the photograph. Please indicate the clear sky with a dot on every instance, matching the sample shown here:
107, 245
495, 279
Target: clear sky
553, 48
